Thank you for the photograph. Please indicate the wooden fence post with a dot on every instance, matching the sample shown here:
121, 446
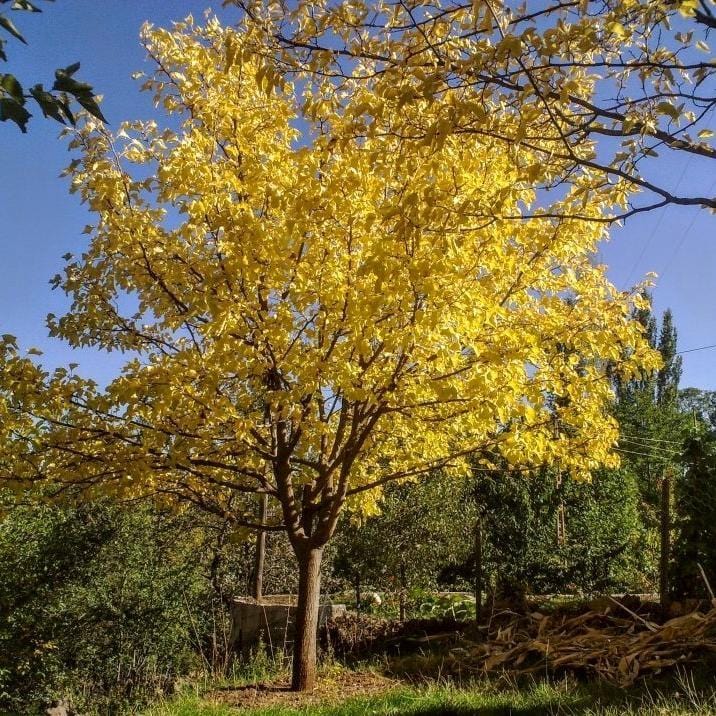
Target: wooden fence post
665, 528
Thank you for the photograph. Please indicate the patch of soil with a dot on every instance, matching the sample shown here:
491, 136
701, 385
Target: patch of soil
330, 688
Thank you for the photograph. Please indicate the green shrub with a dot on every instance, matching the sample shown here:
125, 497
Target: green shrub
599, 551
99, 605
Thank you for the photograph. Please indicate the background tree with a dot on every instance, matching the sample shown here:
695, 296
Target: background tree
653, 425
669, 375
653, 431
423, 531
525, 552
612, 540
102, 606
312, 316
695, 521
701, 406
56, 102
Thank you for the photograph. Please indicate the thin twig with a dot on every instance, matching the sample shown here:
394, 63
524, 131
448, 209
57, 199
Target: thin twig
706, 580
648, 625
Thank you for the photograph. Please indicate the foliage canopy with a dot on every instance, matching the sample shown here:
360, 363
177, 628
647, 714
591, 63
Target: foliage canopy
594, 89
329, 308
312, 312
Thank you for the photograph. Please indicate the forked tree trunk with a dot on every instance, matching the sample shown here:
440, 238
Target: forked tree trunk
309, 592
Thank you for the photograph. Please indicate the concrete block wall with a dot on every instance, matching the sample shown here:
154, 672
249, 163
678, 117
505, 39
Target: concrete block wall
270, 621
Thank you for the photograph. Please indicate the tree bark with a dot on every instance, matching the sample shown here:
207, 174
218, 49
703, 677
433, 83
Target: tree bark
258, 581
665, 529
478, 569
309, 592
402, 597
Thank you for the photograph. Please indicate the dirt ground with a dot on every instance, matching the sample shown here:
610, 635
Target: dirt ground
331, 688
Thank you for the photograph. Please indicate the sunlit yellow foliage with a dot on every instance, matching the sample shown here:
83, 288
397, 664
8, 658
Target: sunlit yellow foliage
311, 311
595, 89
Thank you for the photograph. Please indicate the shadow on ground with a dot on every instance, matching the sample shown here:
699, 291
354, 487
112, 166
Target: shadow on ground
492, 711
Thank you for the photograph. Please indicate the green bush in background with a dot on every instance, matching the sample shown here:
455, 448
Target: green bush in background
100, 606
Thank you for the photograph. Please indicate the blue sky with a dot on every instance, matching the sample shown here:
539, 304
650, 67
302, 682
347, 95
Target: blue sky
41, 221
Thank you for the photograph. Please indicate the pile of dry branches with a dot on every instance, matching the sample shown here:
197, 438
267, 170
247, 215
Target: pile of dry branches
604, 644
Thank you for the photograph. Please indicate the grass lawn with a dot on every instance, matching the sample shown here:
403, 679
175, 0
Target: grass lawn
344, 693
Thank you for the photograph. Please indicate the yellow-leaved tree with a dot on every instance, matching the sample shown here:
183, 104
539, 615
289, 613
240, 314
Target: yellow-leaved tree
311, 313
601, 87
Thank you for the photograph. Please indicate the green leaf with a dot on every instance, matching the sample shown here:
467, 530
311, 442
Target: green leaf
81, 91
11, 110
49, 104
12, 87
71, 69
64, 82
8, 25
64, 104
91, 105
3, 56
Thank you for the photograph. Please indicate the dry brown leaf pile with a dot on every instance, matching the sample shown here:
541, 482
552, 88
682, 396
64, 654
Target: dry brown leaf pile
604, 644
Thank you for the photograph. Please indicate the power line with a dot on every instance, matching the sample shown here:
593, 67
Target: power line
656, 458
693, 350
652, 450
648, 439
644, 454
684, 236
664, 448
653, 440
656, 227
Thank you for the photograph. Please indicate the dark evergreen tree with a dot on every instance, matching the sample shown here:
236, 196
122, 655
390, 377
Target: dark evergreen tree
668, 377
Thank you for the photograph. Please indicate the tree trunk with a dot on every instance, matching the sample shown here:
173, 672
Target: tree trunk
478, 569
358, 594
665, 529
304, 647
402, 598
258, 581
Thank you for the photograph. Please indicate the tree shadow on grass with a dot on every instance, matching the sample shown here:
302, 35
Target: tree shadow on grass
543, 710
